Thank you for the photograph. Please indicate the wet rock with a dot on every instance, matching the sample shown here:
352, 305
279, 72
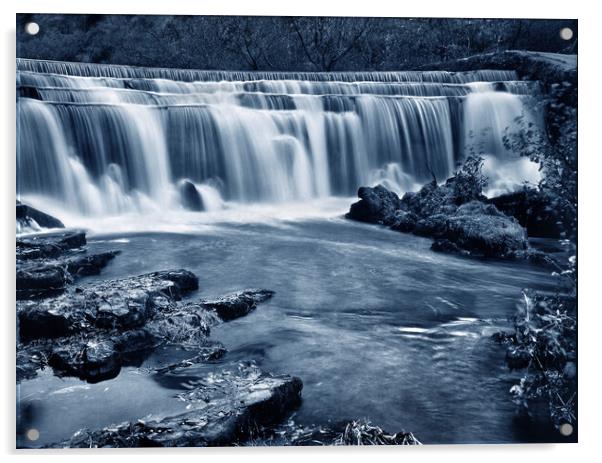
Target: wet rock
225, 409
189, 324
123, 310
127, 303
41, 280
92, 360
207, 352
51, 318
134, 341
28, 216
49, 244
184, 280
404, 221
441, 212
45, 277
29, 361
238, 304
447, 246
481, 229
89, 264
191, 198
376, 205
535, 211
518, 357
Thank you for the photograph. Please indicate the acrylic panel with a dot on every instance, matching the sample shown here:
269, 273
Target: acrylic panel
295, 231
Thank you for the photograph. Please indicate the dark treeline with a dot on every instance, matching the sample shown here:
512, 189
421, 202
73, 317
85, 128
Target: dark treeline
281, 43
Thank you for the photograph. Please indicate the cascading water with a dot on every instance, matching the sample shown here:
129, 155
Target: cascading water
108, 140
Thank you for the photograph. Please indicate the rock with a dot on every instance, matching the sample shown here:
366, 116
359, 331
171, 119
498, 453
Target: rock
39, 281
517, 357
441, 212
134, 341
89, 264
376, 205
225, 409
45, 277
191, 198
189, 324
51, 318
207, 352
184, 280
127, 303
25, 214
404, 221
238, 304
535, 211
49, 244
481, 229
123, 310
93, 361
446, 246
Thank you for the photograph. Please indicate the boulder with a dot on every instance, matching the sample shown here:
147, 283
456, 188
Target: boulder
444, 213
535, 211
26, 214
376, 205
225, 410
480, 229
447, 246
404, 221
190, 196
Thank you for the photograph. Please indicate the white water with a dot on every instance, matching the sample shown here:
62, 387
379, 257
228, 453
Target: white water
115, 141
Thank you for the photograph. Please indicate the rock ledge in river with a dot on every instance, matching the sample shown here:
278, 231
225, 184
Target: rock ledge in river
225, 409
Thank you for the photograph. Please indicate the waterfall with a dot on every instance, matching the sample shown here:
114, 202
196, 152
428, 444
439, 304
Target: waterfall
110, 139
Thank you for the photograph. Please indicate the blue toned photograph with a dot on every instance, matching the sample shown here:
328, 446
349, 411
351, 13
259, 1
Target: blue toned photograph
295, 231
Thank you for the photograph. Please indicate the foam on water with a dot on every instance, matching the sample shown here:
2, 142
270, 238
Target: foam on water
99, 142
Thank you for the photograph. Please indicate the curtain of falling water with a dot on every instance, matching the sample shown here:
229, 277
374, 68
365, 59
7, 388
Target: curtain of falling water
114, 139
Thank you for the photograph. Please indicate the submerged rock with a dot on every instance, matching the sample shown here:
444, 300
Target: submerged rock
225, 409
238, 304
29, 217
190, 196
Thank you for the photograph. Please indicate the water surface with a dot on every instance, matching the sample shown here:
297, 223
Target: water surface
375, 324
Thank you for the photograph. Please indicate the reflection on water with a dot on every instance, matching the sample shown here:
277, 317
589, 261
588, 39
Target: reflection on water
375, 324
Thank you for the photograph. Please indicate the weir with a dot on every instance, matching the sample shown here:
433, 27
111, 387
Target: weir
110, 139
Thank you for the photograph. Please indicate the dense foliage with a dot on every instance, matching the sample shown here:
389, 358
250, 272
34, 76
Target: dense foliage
544, 343
280, 43
555, 150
